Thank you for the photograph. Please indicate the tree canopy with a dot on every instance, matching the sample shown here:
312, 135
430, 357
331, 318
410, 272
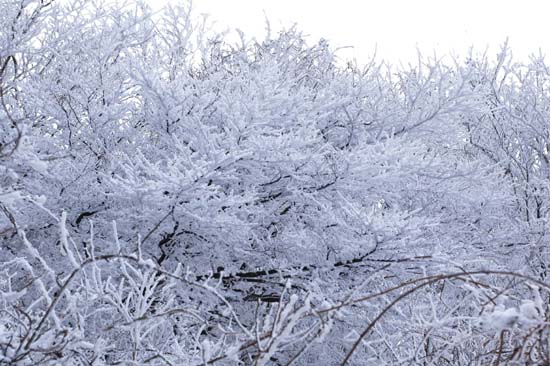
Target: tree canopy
168, 197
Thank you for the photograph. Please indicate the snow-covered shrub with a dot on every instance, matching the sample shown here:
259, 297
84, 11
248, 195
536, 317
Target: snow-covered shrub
167, 197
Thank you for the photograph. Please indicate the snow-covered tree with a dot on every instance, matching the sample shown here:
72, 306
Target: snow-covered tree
168, 197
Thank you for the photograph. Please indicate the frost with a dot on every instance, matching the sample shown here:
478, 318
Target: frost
500, 319
168, 196
11, 296
38, 165
233, 352
526, 315
10, 198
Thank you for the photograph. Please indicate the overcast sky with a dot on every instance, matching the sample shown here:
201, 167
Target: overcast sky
395, 27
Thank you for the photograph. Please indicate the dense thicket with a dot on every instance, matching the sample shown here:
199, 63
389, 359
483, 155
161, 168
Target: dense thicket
169, 198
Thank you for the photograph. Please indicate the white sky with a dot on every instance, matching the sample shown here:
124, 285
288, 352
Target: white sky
395, 27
